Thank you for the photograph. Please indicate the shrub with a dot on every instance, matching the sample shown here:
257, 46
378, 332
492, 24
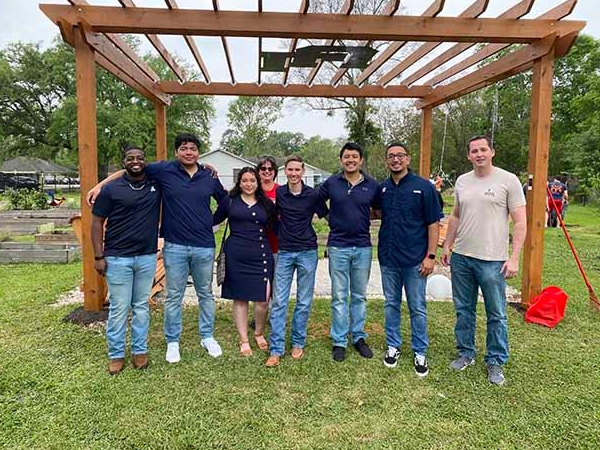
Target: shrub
26, 199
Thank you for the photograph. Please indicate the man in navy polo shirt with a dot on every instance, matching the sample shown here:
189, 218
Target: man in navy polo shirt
187, 188
125, 252
410, 214
351, 195
296, 205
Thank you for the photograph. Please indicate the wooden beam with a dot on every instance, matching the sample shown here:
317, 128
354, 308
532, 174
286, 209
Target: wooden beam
104, 47
161, 131
225, 46
426, 138
108, 19
189, 40
346, 10
537, 167
85, 74
516, 12
293, 44
292, 90
474, 10
557, 13
389, 10
434, 9
157, 44
490, 73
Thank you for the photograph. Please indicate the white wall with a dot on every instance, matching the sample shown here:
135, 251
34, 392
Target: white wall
312, 177
226, 165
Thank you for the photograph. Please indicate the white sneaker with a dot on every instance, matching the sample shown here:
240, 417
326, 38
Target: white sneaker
173, 353
212, 347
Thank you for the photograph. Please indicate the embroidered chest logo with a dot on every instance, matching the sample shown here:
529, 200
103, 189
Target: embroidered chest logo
489, 193
383, 190
152, 189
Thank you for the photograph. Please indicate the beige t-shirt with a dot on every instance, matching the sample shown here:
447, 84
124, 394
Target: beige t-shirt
484, 205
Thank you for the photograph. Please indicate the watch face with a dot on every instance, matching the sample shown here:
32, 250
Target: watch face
431, 256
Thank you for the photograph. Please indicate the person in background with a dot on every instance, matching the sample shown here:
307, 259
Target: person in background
249, 259
125, 252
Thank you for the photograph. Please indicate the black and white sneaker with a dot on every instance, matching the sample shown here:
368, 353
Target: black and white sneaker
391, 357
421, 367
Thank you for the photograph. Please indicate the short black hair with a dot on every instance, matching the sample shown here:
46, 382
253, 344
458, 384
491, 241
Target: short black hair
184, 138
267, 158
351, 146
478, 137
397, 144
129, 147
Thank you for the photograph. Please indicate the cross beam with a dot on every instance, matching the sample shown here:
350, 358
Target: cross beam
310, 26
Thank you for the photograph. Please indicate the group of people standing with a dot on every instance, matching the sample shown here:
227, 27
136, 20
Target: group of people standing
271, 237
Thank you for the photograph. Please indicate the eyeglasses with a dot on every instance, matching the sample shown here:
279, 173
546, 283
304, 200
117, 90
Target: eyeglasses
393, 156
267, 169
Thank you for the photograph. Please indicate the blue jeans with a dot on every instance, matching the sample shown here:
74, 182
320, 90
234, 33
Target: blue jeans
393, 279
469, 274
180, 261
129, 282
349, 270
305, 264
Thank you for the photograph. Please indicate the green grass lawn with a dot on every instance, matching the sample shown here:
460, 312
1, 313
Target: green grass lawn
55, 393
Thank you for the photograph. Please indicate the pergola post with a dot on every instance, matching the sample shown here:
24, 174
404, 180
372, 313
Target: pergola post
161, 131
426, 131
85, 70
539, 143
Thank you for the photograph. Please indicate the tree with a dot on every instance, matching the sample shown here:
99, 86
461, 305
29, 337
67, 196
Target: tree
283, 143
249, 120
321, 152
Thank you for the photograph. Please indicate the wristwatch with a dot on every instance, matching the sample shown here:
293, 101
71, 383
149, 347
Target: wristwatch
98, 258
431, 256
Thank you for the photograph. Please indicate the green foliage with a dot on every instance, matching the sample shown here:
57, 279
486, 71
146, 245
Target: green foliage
26, 199
38, 108
284, 143
322, 153
249, 120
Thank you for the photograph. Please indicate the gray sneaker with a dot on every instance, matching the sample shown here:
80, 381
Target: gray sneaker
495, 375
461, 363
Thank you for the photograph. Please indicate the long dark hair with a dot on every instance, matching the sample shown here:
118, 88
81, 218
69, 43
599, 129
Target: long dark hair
261, 198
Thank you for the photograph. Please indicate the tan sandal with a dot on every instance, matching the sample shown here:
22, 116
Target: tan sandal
261, 342
245, 349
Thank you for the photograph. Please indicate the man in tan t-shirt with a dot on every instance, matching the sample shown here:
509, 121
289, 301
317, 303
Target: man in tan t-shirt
478, 228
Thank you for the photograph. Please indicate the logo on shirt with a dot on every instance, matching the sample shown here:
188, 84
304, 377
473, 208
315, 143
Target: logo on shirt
383, 190
489, 193
416, 191
152, 189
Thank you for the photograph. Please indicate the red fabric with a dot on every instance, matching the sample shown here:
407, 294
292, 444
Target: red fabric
547, 308
556, 204
271, 235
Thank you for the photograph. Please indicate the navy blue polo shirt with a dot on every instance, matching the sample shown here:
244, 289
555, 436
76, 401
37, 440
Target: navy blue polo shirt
296, 233
407, 209
349, 210
132, 216
186, 215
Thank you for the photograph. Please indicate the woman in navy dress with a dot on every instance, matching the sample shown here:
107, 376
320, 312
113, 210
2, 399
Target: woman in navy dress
249, 259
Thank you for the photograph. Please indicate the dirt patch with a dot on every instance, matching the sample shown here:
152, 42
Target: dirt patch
87, 319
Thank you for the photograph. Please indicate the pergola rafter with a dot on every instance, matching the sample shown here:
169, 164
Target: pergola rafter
95, 31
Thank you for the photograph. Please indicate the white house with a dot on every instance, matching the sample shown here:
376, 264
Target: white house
228, 165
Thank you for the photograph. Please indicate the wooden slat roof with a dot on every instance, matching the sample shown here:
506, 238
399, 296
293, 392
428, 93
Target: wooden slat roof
101, 27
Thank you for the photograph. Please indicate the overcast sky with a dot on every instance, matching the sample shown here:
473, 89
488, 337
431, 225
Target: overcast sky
21, 20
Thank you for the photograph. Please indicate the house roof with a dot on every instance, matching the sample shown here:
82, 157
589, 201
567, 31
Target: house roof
247, 161
23, 164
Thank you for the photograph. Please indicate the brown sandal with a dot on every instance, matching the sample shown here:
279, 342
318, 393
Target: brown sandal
245, 349
261, 342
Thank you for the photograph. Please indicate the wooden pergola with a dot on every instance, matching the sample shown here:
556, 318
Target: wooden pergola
94, 32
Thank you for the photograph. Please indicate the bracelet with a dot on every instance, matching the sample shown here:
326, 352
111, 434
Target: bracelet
98, 258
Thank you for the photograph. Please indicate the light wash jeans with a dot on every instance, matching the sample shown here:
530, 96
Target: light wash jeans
180, 261
305, 264
129, 281
393, 279
469, 274
349, 270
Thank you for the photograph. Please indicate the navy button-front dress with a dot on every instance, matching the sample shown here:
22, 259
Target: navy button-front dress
248, 255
